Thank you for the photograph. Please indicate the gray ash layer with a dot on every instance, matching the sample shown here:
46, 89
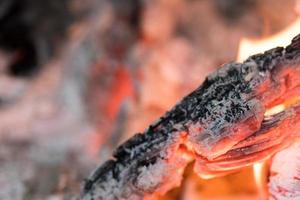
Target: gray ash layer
226, 98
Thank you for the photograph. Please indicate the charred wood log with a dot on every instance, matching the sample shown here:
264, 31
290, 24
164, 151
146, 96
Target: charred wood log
222, 124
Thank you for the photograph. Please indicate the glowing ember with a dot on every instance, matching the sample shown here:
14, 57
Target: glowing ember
247, 48
274, 110
281, 107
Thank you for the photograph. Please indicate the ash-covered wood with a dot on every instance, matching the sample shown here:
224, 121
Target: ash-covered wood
226, 109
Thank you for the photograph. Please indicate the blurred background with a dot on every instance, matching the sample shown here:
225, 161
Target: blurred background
78, 77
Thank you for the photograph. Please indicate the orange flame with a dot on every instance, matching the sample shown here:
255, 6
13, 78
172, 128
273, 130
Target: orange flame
250, 47
259, 173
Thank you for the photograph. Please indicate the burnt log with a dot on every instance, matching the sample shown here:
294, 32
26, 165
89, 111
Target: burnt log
221, 124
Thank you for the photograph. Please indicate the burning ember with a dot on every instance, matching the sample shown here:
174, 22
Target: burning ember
231, 121
248, 47
80, 83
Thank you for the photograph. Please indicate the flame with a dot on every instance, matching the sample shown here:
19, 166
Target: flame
260, 178
249, 47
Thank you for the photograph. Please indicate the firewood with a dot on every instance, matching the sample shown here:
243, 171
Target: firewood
222, 124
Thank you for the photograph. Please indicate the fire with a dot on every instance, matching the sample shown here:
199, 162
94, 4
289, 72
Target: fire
281, 107
259, 173
250, 47
274, 110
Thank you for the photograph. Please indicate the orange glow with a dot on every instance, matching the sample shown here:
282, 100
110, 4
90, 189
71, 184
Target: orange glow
257, 169
292, 101
274, 110
281, 107
259, 173
250, 47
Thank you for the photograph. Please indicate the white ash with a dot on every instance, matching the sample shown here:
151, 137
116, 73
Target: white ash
12, 185
151, 176
285, 174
